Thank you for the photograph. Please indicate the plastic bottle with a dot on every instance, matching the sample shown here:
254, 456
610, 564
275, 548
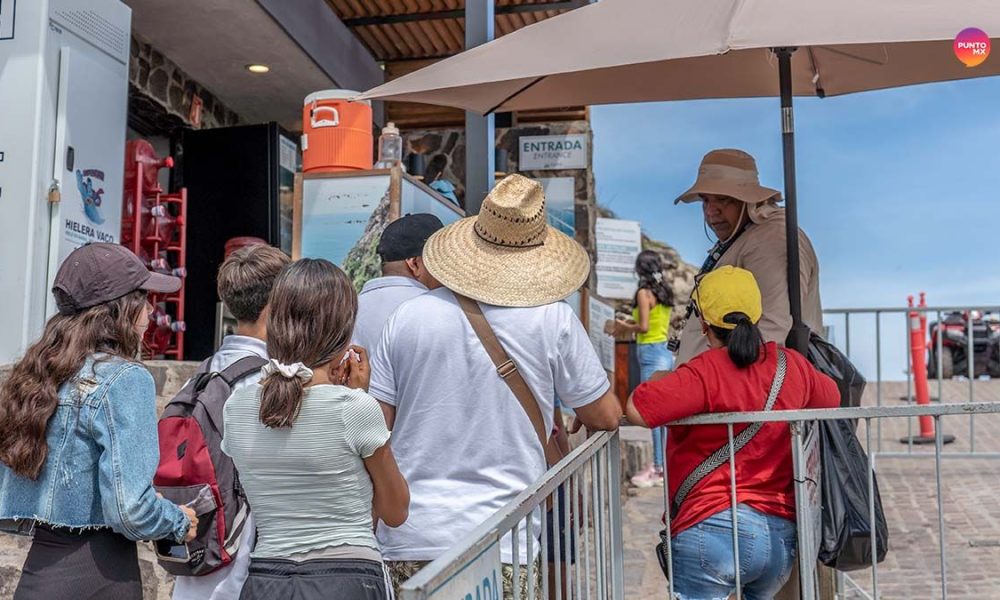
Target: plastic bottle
390, 148
160, 334
159, 317
160, 264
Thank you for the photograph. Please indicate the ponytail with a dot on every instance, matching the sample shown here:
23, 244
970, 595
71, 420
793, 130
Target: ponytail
743, 342
280, 400
312, 309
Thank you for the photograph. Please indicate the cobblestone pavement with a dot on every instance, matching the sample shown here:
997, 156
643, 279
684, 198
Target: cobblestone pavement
912, 571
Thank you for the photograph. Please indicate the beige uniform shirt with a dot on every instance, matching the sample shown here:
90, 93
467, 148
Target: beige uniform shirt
761, 250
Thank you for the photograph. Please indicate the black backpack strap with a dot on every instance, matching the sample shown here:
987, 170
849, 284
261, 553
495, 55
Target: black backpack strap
242, 368
196, 384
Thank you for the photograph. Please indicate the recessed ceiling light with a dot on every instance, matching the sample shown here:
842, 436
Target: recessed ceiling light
258, 68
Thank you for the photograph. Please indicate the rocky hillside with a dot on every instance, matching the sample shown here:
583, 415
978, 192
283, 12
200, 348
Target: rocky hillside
362, 262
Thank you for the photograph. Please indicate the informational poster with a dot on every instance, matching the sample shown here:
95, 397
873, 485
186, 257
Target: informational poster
599, 314
342, 217
618, 244
552, 152
336, 212
89, 158
560, 203
480, 579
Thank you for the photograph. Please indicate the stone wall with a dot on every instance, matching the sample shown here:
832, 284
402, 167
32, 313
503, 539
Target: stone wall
451, 142
160, 95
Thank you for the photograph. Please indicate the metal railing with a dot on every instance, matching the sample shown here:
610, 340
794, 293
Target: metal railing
899, 321
805, 483
584, 491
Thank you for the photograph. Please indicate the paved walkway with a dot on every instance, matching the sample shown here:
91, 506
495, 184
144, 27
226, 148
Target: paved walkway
912, 571
640, 527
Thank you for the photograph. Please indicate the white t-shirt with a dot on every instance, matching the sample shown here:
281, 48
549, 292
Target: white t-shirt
462, 440
377, 300
307, 484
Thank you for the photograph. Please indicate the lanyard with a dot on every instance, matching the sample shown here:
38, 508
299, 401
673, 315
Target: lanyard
714, 256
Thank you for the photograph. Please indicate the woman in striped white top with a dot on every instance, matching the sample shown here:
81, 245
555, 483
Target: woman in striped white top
311, 448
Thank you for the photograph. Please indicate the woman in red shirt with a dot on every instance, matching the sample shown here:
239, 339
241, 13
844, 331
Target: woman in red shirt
735, 375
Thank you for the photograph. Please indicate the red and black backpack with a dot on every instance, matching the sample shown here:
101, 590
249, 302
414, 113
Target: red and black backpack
194, 471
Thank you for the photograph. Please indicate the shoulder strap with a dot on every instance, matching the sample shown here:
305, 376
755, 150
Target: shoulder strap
507, 371
721, 456
241, 368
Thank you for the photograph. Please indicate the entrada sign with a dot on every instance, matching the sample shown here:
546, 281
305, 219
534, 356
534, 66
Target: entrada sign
552, 152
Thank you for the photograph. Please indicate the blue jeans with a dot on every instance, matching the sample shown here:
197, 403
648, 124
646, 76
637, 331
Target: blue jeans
703, 556
652, 358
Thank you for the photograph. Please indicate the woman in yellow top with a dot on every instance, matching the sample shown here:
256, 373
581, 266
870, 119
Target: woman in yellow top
651, 325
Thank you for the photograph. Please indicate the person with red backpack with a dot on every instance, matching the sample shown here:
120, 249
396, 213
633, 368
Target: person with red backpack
244, 284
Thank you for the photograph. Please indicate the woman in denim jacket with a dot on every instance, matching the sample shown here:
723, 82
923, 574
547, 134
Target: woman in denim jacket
78, 444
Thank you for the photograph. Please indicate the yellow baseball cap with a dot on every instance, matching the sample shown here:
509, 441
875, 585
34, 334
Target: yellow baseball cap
724, 291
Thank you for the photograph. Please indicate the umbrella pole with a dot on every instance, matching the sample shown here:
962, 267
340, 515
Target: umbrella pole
798, 337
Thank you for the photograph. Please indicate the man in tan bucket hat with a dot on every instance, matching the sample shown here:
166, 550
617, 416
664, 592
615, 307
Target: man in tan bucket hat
750, 226
467, 424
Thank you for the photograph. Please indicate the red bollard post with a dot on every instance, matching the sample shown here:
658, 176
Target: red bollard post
918, 355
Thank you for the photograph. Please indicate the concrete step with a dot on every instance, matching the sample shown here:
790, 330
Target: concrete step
169, 376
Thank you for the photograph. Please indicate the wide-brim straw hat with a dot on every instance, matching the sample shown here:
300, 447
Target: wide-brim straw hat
730, 173
508, 255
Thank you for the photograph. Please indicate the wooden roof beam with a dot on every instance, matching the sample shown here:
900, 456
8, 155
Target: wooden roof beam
460, 13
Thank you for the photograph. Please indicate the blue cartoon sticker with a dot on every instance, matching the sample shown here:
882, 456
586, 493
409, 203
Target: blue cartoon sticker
91, 197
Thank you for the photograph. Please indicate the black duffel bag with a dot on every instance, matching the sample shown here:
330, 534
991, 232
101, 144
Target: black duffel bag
846, 542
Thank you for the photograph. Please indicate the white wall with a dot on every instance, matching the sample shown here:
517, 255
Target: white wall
26, 93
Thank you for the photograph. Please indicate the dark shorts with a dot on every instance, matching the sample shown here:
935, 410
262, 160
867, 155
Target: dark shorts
329, 579
92, 564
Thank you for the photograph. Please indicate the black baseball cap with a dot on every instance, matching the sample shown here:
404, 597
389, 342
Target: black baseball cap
99, 273
405, 237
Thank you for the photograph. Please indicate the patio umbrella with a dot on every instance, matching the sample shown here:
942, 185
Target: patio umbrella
617, 51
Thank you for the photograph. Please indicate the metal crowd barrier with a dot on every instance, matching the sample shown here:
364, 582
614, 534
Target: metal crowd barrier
806, 484
589, 509
900, 316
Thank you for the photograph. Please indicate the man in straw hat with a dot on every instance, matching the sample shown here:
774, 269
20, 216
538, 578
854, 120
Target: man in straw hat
467, 373
750, 227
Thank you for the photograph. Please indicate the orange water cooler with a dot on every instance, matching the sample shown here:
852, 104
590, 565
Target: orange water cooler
336, 133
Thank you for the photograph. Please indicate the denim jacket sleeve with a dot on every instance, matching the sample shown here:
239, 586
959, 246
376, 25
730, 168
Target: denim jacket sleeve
125, 431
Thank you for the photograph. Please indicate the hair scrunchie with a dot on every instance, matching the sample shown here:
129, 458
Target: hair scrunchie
291, 371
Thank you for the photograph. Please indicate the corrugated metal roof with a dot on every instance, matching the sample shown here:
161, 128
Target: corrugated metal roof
396, 30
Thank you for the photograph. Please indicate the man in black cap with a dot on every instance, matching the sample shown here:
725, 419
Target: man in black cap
403, 275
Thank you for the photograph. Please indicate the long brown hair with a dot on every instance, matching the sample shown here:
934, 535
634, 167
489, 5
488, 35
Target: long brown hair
312, 310
30, 395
